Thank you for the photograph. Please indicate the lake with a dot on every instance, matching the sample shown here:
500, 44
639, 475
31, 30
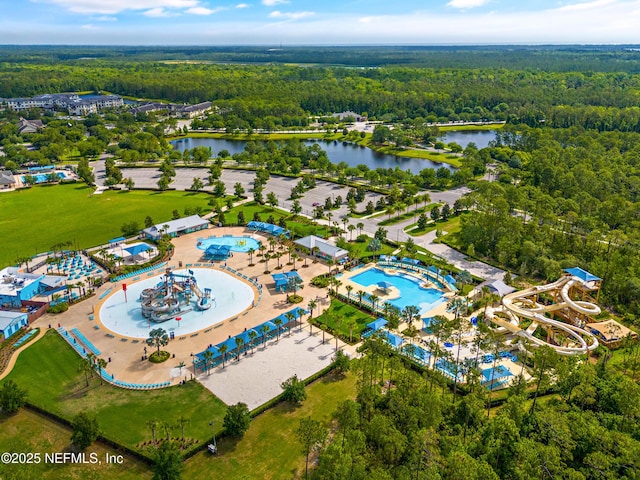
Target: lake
463, 137
353, 155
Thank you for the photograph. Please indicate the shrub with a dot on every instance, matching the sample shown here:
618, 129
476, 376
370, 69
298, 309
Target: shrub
156, 357
59, 308
321, 281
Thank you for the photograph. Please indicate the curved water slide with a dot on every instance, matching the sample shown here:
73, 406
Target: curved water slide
518, 305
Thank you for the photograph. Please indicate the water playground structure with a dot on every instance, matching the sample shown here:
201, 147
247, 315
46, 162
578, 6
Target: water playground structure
173, 296
562, 309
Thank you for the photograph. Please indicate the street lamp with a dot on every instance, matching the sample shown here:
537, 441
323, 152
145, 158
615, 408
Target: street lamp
213, 447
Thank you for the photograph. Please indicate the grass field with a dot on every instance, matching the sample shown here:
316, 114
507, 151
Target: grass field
49, 371
32, 220
339, 315
269, 449
30, 432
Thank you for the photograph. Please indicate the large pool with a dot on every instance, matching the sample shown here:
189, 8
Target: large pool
411, 292
237, 244
232, 296
42, 177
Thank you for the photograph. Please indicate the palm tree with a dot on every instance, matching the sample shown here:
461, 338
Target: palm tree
277, 322
272, 244
86, 366
99, 365
267, 257
360, 226
252, 335
349, 289
336, 284
291, 318
264, 330
262, 249
345, 220
294, 257
182, 422
374, 299
351, 228
153, 424
251, 251
223, 350
374, 246
312, 304
314, 252
239, 344
207, 356
278, 256
330, 263
360, 293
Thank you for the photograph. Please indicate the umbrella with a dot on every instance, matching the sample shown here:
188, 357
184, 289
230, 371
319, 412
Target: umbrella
385, 285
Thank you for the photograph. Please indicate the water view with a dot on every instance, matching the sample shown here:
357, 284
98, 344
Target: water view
337, 152
464, 137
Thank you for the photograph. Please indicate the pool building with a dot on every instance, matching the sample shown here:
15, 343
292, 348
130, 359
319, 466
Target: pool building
11, 322
177, 227
17, 286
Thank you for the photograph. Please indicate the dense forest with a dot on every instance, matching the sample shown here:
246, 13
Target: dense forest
564, 197
250, 96
401, 426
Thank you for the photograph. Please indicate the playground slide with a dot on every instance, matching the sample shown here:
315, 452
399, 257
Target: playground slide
196, 290
586, 308
527, 308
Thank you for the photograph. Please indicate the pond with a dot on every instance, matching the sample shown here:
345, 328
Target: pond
353, 155
464, 137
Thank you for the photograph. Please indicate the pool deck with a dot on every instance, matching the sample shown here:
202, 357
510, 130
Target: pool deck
126, 353
391, 293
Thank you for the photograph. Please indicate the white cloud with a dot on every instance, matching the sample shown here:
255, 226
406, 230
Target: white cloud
467, 3
585, 6
203, 10
105, 18
290, 15
242, 5
156, 13
111, 7
273, 3
89, 26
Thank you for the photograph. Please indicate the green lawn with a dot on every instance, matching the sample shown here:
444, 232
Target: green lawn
30, 432
269, 449
359, 249
49, 371
339, 315
412, 212
32, 220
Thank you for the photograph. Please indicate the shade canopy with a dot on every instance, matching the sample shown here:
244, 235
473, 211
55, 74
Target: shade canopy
385, 285
137, 249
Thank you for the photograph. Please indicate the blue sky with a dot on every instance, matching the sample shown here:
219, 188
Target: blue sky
306, 22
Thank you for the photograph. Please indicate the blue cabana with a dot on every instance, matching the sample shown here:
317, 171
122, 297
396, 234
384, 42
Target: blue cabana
299, 311
410, 260
450, 280
267, 228
283, 280
217, 252
495, 377
117, 240
137, 249
230, 343
377, 324
392, 339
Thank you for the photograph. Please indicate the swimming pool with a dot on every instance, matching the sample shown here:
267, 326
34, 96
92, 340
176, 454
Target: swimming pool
411, 293
231, 295
42, 177
237, 244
